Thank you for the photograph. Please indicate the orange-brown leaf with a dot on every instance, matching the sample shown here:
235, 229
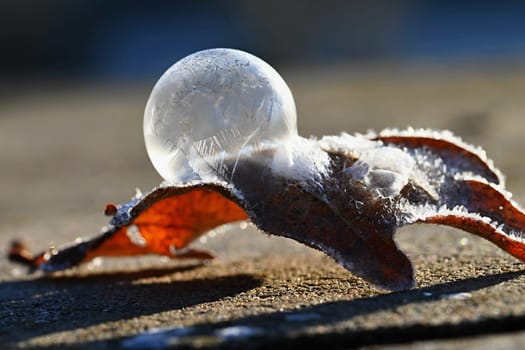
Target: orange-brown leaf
171, 223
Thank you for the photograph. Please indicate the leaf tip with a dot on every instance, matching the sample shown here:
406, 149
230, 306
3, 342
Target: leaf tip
19, 253
110, 209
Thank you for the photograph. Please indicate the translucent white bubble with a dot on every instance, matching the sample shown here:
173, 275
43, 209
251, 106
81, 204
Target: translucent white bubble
209, 107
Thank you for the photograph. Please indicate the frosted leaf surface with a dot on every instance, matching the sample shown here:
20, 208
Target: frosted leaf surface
300, 158
209, 108
220, 127
384, 170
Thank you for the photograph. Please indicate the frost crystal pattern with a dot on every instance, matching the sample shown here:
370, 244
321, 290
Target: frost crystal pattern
209, 108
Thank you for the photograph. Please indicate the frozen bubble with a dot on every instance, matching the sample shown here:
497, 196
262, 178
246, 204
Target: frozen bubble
209, 107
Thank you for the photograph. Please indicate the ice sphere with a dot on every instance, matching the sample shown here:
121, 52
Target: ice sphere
209, 108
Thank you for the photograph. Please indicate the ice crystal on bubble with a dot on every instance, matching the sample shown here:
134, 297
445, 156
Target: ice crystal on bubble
209, 108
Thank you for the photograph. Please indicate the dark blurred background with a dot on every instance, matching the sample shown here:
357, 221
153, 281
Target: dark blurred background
116, 40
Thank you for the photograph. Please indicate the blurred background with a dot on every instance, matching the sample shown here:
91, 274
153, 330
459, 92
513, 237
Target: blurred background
114, 40
75, 76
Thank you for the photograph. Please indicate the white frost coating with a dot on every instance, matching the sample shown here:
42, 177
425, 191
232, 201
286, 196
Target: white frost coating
385, 170
210, 105
444, 135
138, 194
411, 213
135, 236
301, 159
351, 145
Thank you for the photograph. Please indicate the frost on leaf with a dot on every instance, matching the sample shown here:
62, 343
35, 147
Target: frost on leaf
162, 222
344, 195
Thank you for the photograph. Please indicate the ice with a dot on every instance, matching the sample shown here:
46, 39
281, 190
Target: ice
448, 136
350, 145
135, 236
301, 159
385, 170
211, 106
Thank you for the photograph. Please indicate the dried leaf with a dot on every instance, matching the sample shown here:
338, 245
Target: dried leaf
163, 222
350, 212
